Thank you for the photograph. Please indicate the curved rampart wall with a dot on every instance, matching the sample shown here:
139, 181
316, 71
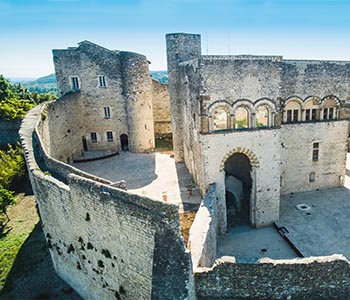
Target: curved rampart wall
62, 127
103, 241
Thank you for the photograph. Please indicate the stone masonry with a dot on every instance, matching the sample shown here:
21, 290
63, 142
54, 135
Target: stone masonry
287, 117
278, 126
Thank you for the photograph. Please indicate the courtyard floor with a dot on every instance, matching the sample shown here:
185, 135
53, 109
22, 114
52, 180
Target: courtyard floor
152, 175
322, 229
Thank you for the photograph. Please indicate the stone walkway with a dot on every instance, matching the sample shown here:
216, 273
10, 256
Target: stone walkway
154, 175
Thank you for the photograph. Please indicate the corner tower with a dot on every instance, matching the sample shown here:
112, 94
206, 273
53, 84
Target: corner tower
180, 47
138, 94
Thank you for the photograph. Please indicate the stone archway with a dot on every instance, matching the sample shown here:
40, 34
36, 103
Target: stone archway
238, 186
239, 168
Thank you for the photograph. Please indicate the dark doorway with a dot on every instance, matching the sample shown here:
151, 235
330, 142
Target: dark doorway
238, 185
85, 147
124, 141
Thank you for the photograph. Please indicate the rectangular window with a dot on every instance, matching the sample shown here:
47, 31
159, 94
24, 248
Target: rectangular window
93, 137
102, 81
330, 114
109, 136
315, 151
107, 112
75, 83
307, 114
292, 115
310, 114
313, 114
325, 114
295, 115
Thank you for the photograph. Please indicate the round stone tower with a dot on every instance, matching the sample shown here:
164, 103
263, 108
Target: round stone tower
137, 91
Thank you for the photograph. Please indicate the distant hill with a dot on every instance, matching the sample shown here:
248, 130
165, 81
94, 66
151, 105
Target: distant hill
45, 80
48, 83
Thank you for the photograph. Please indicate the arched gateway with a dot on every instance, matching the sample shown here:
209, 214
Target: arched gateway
239, 193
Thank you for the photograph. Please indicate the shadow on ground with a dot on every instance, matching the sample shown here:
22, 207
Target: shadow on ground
32, 275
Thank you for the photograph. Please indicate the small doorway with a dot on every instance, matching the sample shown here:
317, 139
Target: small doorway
238, 185
85, 147
124, 142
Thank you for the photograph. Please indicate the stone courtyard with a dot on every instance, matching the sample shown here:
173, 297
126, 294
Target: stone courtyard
320, 228
154, 175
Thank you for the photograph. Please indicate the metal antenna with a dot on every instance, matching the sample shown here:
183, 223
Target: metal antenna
207, 44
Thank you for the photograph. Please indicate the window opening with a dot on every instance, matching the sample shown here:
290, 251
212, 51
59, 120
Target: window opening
93, 137
102, 81
315, 151
107, 112
109, 136
75, 83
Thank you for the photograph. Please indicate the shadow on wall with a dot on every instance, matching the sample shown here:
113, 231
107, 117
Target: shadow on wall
138, 170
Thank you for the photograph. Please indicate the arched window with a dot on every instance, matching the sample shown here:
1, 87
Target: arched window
329, 109
292, 111
312, 177
220, 118
262, 116
241, 118
311, 110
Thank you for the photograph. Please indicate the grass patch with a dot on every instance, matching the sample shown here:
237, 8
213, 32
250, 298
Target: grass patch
164, 144
10, 246
23, 218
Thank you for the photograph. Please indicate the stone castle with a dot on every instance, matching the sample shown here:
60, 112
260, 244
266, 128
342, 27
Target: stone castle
250, 129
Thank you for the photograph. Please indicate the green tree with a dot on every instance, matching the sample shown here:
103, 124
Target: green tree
22, 93
15, 101
5, 90
7, 198
11, 166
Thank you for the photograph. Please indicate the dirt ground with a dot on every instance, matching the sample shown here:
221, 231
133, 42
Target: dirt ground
186, 220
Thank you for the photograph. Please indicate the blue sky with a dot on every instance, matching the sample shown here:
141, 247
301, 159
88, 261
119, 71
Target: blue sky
306, 29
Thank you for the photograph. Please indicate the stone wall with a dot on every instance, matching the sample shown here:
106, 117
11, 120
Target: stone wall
198, 83
180, 47
138, 93
202, 238
256, 77
296, 151
320, 278
161, 110
127, 95
9, 131
64, 127
263, 150
237, 77
105, 242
